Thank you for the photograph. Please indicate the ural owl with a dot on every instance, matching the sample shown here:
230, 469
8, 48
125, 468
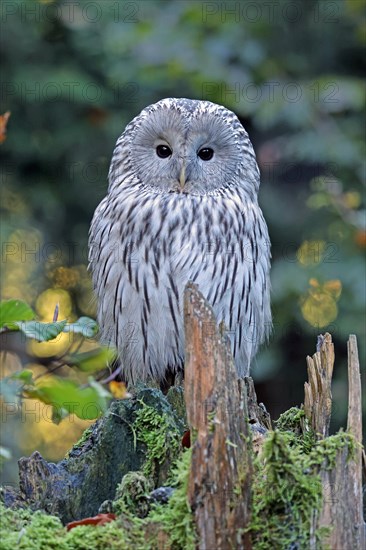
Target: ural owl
181, 206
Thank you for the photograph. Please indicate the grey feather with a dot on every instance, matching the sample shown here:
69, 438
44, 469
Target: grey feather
151, 235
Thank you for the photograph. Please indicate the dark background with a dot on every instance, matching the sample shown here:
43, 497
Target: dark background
74, 73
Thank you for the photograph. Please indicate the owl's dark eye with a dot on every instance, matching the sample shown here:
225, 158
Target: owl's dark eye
206, 153
163, 151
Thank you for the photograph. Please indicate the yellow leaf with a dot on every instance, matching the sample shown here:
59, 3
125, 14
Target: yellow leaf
310, 252
333, 287
319, 309
352, 199
119, 390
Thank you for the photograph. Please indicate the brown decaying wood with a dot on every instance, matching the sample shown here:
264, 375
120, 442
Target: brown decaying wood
318, 395
342, 485
219, 483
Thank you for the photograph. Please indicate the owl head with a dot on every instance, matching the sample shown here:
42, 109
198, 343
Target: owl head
185, 146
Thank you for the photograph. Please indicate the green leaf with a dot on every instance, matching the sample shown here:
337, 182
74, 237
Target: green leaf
12, 311
64, 395
85, 326
59, 414
25, 376
93, 361
42, 331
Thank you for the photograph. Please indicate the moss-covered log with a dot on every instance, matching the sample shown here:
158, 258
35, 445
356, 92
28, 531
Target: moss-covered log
141, 433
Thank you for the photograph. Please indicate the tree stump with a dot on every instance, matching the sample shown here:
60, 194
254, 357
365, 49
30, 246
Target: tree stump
318, 395
220, 476
342, 484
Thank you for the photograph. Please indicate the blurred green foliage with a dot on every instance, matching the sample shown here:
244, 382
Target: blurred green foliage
86, 401
74, 73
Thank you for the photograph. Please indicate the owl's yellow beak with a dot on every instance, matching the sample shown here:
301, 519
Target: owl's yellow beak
182, 177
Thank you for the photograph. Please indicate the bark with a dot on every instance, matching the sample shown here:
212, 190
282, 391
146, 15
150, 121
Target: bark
318, 395
342, 484
217, 412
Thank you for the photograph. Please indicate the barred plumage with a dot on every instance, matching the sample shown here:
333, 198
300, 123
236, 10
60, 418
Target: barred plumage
167, 220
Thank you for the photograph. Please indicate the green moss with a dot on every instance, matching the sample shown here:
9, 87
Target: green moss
132, 494
286, 486
25, 530
285, 495
211, 420
290, 420
176, 517
30, 531
287, 489
122, 534
159, 433
175, 397
38, 531
324, 453
295, 423
84, 437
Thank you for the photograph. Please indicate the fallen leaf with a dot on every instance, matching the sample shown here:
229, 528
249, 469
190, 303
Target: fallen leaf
186, 439
99, 519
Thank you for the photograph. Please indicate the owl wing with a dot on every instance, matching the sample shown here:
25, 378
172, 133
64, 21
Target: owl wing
134, 279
